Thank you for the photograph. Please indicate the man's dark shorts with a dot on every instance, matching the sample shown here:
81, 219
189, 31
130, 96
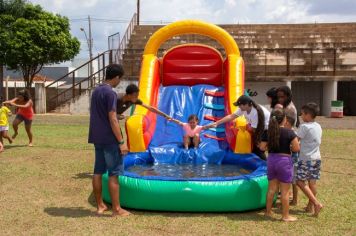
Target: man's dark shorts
108, 158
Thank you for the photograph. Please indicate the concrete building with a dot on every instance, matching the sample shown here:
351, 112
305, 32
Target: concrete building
318, 61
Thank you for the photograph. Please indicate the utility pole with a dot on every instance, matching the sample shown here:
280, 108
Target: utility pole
138, 12
90, 44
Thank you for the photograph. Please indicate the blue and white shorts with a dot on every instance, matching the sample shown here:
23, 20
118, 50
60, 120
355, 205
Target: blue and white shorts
308, 170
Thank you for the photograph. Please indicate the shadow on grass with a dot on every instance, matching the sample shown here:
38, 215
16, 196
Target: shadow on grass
339, 158
70, 212
15, 146
236, 216
84, 175
91, 200
338, 173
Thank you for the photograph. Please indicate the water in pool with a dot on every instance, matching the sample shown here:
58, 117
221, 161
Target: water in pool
188, 170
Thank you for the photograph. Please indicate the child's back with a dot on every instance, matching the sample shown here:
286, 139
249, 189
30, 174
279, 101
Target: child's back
310, 139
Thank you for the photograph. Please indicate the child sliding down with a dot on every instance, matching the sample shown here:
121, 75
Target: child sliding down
191, 129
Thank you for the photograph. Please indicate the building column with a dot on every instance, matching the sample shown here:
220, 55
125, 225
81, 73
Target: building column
40, 98
329, 94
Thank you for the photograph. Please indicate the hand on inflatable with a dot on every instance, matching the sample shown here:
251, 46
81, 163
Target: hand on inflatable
123, 148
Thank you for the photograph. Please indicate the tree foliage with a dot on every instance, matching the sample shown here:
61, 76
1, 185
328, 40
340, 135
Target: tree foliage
31, 37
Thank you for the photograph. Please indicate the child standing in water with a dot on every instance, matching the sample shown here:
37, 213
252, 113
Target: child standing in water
24, 113
191, 129
4, 121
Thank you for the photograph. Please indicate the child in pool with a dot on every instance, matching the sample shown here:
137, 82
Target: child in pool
191, 131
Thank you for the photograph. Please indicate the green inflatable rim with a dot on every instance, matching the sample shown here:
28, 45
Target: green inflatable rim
190, 196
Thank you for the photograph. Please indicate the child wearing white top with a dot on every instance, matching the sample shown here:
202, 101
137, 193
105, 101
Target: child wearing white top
309, 161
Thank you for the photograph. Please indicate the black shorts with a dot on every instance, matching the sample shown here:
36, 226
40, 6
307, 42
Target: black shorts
22, 118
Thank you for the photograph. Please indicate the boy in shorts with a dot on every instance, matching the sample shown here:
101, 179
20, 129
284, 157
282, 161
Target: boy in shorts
104, 133
308, 169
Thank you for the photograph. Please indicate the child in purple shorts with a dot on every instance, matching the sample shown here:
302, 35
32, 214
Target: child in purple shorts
308, 169
280, 142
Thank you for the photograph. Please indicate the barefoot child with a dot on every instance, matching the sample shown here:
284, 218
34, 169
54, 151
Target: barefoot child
290, 121
4, 121
24, 113
281, 141
308, 169
104, 133
191, 131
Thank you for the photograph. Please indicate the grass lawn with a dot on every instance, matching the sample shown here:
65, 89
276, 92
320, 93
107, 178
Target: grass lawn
47, 190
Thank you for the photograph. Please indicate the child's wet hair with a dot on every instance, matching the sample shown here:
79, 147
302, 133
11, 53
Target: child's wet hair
311, 108
193, 117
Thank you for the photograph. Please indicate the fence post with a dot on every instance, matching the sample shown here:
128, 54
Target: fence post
288, 62
73, 88
334, 67
40, 98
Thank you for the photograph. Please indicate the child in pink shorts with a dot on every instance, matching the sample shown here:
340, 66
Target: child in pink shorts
191, 131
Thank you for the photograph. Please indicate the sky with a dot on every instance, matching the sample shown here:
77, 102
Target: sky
112, 16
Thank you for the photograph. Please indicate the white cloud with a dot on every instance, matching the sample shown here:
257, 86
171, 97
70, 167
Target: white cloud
215, 11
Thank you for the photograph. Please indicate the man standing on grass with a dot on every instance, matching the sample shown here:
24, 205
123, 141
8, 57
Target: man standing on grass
104, 133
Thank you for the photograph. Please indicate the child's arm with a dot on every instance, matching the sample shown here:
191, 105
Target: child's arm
295, 145
28, 104
116, 130
155, 110
10, 101
222, 121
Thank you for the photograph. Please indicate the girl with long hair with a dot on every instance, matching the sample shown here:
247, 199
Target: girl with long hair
280, 142
24, 105
257, 117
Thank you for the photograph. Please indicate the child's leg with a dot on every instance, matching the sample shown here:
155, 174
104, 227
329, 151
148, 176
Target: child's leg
312, 186
295, 195
1, 141
15, 125
196, 140
186, 141
5, 134
307, 191
285, 203
272, 189
29, 133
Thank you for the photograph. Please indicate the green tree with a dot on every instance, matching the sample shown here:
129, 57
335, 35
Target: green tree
34, 39
9, 10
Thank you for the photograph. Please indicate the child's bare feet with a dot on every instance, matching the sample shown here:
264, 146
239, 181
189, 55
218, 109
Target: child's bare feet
121, 212
101, 209
14, 135
268, 214
30, 145
293, 202
289, 219
309, 208
317, 209
10, 140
